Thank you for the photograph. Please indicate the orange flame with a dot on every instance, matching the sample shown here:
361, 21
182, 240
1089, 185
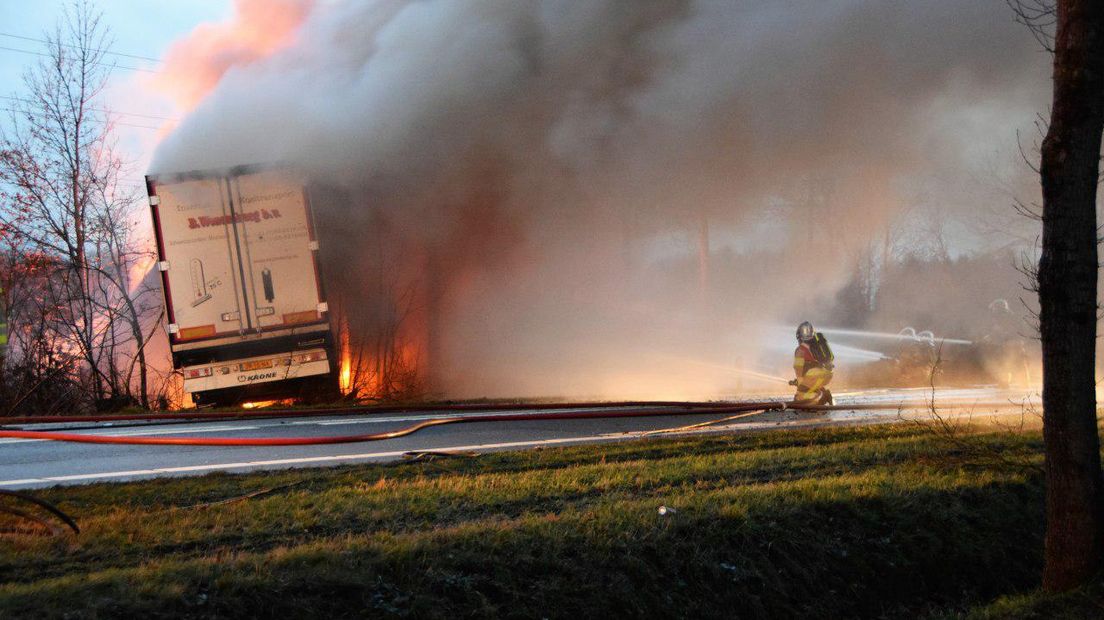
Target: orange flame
345, 376
260, 404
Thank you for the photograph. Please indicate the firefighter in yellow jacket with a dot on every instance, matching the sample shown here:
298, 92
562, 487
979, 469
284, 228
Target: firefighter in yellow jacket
813, 363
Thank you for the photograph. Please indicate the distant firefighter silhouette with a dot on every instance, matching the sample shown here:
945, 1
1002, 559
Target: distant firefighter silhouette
813, 363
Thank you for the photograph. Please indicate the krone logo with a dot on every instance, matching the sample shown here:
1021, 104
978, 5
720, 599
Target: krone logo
257, 377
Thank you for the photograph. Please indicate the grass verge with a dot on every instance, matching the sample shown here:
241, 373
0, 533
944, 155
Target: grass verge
1084, 603
877, 522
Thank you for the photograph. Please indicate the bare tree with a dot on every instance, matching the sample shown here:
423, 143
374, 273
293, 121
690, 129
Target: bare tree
35, 372
128, 302
1067, 286
377, 361
63, 198
1040, 17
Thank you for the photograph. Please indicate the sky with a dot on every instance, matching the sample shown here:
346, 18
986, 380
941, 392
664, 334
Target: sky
140, 28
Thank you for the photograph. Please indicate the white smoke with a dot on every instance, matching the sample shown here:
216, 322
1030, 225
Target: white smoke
557, 157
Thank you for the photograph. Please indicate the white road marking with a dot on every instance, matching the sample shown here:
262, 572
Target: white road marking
139, 433
173, 431
892, 399
446, 414
295, 461
890, 413
276, 422
839, 418
417, 418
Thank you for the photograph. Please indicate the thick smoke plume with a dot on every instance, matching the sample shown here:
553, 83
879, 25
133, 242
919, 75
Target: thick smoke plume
610, 197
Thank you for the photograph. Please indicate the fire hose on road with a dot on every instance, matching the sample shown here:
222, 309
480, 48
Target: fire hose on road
740, 409
261, 414
403, 432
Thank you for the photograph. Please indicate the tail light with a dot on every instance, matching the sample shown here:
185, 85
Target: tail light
314, 356
197, 373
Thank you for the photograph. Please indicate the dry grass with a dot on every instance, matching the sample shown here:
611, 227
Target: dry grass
828, 523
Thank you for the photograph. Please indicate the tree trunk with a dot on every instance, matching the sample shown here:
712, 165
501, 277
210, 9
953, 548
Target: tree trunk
143, 370
1068, 298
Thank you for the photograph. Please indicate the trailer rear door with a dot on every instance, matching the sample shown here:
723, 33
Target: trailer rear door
202, 272
278, 249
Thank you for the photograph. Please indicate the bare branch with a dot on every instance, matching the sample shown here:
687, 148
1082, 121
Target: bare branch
1040, 17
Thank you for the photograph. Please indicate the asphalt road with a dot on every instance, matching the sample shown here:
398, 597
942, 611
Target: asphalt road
36, 463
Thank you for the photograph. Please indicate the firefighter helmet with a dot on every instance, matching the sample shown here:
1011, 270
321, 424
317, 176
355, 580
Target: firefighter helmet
805, 332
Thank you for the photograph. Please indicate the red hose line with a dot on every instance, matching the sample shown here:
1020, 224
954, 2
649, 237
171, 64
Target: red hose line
313, 441
330, 411
682, 409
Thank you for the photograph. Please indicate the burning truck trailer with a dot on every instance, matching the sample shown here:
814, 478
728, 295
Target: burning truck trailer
243, 288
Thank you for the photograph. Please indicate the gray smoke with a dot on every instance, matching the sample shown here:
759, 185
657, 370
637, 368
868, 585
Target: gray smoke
534, 178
